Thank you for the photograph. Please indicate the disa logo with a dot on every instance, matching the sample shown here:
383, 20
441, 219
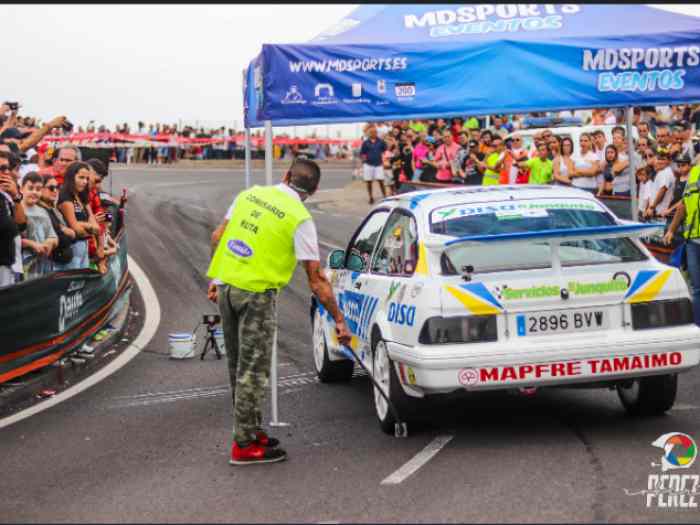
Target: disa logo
239, 248
68, 309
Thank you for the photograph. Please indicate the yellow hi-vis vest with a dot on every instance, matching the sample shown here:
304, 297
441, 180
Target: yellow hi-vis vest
690, 201
256, 251
491, 177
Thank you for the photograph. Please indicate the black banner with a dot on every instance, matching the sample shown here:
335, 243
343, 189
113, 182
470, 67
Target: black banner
44, 318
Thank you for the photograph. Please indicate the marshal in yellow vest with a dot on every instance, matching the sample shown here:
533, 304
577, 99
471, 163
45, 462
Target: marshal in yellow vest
691, 195
256, 251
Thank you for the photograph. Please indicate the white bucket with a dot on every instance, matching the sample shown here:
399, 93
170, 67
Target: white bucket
219, 336
182, 345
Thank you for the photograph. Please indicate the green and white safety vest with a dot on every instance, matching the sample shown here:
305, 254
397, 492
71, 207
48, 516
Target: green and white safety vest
256, 251
690, 201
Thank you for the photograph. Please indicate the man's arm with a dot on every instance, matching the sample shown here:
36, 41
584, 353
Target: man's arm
40, 133
677, 218
321, 288
212, 291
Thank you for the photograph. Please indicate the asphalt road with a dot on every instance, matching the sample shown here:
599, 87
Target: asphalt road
151, 442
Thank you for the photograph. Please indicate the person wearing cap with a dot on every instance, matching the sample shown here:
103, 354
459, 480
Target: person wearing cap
680, 172
470, 164
687, 212
255, 251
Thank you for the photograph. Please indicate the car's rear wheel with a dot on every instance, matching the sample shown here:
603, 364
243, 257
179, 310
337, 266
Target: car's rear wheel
384, 374
649, 396
328, 371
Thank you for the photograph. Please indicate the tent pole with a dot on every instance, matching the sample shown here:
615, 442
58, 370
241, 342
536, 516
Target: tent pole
632, 165
247, 158
268, 152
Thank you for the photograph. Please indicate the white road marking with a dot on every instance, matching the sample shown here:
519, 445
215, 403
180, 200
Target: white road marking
417, 461
683, 406
149, 329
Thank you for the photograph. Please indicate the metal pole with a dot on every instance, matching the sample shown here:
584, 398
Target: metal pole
268, 152
247, 158
273, 377
632, 165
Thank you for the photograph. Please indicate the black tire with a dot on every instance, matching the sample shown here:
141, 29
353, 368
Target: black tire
328, 371
649, 396
407, 407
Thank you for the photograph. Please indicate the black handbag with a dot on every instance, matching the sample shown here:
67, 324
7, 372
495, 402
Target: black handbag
63, 253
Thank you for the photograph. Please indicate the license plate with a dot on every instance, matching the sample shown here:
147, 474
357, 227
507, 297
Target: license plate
562, 321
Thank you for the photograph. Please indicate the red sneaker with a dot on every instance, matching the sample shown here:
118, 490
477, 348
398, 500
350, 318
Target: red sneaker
255, 453
265, 440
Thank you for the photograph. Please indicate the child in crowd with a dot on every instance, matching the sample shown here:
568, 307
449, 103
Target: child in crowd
39, 238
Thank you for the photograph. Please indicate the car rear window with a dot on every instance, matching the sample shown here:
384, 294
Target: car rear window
493, 218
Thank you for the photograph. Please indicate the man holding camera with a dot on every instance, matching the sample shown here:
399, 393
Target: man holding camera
257, 246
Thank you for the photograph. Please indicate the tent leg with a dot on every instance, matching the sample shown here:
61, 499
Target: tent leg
268, 152
632, 166
273, 378
247, 158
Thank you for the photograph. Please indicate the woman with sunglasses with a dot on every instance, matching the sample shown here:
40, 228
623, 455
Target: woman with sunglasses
73, 203
586, 166
563, 166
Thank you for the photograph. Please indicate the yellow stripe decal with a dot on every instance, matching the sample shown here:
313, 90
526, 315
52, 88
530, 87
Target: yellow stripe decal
472, 303
650, 291
422, 265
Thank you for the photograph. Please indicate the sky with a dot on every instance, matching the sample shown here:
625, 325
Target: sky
156, 63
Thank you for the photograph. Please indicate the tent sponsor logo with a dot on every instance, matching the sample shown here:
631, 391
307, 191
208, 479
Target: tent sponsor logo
488, 18
405, 90
325, 94
293, 96
627, 69
356, 89
381, 87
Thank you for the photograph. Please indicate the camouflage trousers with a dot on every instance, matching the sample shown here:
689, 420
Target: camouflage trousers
249, 321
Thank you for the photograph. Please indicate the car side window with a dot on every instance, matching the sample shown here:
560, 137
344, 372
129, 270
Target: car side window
366, 237
397, 252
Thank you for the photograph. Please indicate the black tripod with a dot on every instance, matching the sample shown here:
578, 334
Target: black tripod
211, 342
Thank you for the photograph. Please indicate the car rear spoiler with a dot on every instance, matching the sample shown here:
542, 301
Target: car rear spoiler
634, 229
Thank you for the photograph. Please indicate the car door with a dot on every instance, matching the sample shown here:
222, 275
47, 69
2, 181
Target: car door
354, 298
393, 266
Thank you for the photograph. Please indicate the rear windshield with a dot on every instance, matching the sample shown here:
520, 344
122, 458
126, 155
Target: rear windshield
528, 216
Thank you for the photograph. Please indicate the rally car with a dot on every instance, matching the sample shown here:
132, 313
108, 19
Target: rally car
505, 287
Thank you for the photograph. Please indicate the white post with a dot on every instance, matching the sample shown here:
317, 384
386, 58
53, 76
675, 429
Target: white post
273, 376
268, 152
247, 158
632, 165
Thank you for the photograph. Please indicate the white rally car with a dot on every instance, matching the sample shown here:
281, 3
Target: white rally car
505, 287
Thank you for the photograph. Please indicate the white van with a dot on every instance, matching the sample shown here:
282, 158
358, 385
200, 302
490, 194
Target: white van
573, 132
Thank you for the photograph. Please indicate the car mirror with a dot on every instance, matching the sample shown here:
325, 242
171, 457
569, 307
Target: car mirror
356, 263
336, 259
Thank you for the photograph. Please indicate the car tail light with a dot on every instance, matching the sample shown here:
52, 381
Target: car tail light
659, 314
468, 329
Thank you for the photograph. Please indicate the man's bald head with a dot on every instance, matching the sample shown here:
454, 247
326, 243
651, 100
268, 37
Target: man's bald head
304, 176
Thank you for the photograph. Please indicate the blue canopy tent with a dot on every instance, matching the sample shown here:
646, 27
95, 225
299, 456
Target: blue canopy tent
399, 61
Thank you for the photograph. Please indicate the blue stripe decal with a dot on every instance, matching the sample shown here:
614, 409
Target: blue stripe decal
416, 200
643, 277
521, 324
482, 292
564, 232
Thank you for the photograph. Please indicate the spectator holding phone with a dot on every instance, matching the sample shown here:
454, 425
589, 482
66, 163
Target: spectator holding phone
12, 221
40, 237
73, 203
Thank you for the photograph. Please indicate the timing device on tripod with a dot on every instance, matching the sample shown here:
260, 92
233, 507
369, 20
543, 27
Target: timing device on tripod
210, 321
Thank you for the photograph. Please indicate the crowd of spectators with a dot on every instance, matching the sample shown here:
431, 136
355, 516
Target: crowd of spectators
52, 207
468, 151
